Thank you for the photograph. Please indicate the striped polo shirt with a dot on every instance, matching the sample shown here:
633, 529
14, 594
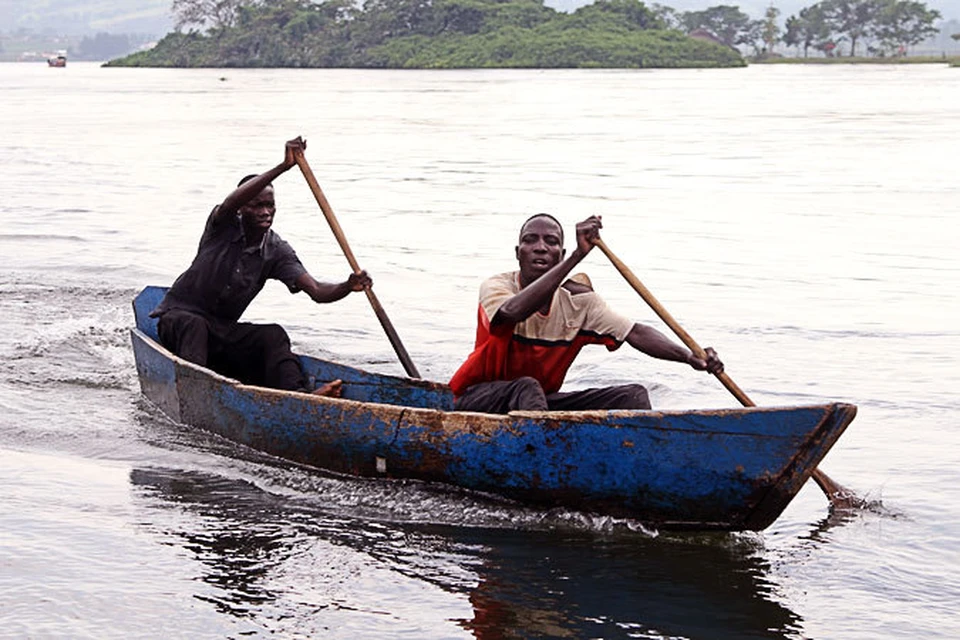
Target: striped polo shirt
544, 345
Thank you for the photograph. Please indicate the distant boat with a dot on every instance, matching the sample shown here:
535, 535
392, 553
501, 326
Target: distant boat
57, 61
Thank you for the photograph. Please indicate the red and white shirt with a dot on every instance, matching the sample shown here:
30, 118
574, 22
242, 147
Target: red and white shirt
544, 345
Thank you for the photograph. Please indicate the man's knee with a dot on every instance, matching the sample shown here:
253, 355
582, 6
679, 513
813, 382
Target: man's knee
632, 396
503, 396
176, 321
185, 334
526, 394
527, 384
273, 335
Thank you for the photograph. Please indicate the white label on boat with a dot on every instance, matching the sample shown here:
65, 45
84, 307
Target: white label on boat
381, 465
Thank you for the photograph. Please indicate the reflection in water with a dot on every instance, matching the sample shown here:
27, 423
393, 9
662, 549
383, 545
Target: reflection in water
237, 536
685, 587
256, 548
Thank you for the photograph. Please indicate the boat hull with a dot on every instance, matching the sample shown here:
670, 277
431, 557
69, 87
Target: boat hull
729, 469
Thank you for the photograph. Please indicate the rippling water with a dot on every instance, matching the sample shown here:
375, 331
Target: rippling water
797, 219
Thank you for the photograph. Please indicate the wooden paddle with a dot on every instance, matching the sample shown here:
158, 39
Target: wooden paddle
836, 494
405, 360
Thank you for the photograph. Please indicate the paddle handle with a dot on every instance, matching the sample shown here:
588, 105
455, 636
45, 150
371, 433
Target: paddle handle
835, 492
659, 309
398, 347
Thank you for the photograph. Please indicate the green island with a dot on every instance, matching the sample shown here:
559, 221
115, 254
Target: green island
434, 34
457, 34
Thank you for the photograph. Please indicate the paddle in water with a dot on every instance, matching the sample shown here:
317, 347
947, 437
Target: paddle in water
398, 347
839, 496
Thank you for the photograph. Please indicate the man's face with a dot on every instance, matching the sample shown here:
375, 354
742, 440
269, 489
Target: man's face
258, 213
540, 248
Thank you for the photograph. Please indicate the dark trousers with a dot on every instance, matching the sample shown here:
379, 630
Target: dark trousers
256, 354
526, 394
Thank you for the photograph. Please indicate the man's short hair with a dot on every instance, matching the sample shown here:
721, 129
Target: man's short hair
542, 215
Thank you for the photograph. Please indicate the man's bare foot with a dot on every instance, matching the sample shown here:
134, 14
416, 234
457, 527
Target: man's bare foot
331, 389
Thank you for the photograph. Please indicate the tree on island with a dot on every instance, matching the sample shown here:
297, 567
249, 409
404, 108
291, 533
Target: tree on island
852, 19
728, 23
669, 17
213, 14
903, 24
894, 24
808, 29
770, 32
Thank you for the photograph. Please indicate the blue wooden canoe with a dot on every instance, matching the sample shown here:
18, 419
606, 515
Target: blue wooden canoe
727, 469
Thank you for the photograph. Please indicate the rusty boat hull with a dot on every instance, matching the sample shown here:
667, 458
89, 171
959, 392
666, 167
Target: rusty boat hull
721, 469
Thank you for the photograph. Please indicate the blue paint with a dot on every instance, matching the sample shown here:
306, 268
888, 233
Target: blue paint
145, 302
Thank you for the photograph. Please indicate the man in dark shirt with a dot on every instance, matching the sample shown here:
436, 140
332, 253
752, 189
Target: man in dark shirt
198, 318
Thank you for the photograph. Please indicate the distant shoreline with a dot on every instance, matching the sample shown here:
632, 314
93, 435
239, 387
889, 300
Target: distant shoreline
941, 59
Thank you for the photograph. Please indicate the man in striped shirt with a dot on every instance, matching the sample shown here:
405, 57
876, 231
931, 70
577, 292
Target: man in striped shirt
533, 322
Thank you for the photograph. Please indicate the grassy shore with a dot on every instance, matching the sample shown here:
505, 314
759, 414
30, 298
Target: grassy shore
953, 61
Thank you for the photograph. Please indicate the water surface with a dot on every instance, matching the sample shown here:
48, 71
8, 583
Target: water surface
797, 219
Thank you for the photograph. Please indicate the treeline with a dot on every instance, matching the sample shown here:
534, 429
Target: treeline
877, 27
880, 27
427, 34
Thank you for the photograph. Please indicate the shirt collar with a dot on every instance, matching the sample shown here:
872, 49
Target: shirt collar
260, 248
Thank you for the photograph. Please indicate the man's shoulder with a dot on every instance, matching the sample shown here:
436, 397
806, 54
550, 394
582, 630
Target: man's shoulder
218, 225
506, 276
278, 245
578, 284
218, 218
508, 280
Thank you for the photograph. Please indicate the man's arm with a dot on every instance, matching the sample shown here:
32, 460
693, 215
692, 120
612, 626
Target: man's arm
653, 343
321, 292
249, 189
539, 292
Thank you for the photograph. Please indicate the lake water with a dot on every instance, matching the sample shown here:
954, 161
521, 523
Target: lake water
798, 219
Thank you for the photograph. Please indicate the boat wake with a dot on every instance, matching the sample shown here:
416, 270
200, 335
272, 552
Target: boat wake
73, 336
853, 505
